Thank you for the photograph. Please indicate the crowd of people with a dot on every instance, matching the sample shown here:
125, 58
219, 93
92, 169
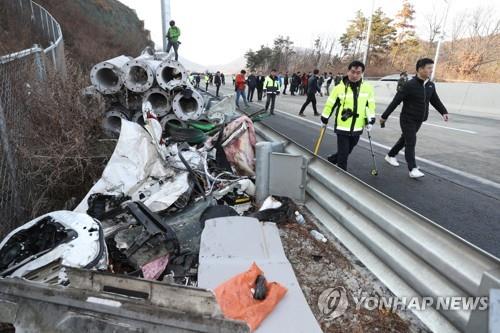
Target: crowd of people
351, 104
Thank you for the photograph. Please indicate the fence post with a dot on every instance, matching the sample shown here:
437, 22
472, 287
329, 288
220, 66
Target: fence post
40, 70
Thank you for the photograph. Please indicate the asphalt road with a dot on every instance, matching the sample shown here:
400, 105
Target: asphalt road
461, 160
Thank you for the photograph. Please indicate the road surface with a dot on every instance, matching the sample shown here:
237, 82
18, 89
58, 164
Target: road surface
461, 160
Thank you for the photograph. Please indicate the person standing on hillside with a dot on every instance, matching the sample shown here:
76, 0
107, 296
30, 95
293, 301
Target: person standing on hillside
240, 83
403, 78
218, 82
313, 87
197, 79
352, 104
416, 95
173, 35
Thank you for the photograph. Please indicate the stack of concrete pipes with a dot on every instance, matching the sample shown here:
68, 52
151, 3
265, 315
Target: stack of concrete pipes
127, 84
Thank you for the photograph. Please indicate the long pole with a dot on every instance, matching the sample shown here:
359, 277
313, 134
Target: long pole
367, 47
165, 18
440, 40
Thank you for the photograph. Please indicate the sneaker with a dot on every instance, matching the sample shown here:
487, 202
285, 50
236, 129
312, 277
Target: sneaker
416, 173
301, 115
392, 160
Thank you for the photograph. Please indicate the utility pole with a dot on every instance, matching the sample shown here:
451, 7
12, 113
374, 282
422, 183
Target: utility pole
367, 47
440, 40
165, 18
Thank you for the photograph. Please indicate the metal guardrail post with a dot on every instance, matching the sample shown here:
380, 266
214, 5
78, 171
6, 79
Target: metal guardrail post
53, 51
39, 63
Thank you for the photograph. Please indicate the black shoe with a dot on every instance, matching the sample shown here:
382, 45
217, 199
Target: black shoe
316, 114
332, 159
301, 114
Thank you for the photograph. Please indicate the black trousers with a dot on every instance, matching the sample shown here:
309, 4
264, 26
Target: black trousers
345, 145
311, 98
175, 45
217, 87
271, 98
408, 141
284, 90
292, 89
251, 90
259, 93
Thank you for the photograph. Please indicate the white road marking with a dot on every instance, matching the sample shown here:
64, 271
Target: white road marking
464, 174
441, 126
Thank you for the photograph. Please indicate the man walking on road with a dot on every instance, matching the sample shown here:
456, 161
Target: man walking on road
252, 84
271, 88
217, 81
415, 95
352, 102
240, 83
173, 35
313, 87
260, 85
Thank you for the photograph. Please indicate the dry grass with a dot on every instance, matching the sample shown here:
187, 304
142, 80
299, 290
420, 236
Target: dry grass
59, 150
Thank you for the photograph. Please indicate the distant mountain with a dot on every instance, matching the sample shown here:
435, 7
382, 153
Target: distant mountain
232, 67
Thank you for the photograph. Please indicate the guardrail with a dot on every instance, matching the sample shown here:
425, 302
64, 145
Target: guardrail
45, 23
410, 249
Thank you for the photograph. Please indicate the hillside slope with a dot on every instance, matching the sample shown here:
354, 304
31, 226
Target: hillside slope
94, 30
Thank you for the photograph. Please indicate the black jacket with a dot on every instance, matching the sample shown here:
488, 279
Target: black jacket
416, 100
217, 80
252, 81
260, 82
313, 86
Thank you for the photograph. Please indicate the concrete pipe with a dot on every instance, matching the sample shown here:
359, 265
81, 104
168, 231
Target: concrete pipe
161, 103
112, 121
138, 118
170, 70
106, 76
188, 104
139, 74
171, 119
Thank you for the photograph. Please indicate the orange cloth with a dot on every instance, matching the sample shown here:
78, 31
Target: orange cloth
236, 298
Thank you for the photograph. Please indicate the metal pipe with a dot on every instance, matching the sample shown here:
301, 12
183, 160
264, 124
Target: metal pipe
139, 74
165, 18
112, 121
188, 104
170, 70
106, 76
160, 101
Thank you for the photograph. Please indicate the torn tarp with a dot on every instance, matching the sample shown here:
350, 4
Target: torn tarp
136, 169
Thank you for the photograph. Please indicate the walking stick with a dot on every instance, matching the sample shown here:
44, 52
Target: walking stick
320, 139
374, 171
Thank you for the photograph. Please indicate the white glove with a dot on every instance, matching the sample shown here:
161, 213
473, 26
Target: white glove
369, 127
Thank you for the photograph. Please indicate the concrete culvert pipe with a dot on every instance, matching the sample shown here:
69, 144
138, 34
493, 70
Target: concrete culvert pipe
188, 105
170, 70
112, 121
160, 101
106, 76
139, 74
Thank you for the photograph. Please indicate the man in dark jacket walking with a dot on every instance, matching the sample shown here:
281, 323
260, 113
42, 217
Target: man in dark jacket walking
260, 85
218, 82
312, 88
252, 84
416, 95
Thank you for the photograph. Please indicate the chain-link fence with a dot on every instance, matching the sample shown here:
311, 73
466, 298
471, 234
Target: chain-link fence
18, 72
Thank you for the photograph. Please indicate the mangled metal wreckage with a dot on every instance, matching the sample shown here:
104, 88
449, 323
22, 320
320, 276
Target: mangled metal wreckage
127, 257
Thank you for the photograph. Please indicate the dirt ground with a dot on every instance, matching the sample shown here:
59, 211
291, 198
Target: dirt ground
319, 266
